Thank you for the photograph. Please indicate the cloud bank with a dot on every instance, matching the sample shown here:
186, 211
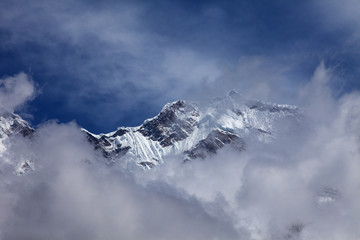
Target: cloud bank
303, 185
73, 195
116, 63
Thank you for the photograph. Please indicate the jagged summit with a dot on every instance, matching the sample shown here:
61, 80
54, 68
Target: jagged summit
192, 130
174, 123
12, 125
182, 129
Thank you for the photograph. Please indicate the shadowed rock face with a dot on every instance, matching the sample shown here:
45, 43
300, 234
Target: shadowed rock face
193, 131
261, 106
119, 132
103, 142
22, 129
294, 231
12, 124
174, 123
118, 152
98, 142
25, 167
216, 140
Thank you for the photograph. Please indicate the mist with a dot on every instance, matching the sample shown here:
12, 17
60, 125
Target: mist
95, 59
302, 185
71, 194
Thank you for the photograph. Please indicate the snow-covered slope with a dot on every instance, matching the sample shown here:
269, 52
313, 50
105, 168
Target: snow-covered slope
181, 129
193, 130
12, 125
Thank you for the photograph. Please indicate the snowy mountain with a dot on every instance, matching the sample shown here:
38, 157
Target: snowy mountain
13, 125
10, 125
186, 130
193, 130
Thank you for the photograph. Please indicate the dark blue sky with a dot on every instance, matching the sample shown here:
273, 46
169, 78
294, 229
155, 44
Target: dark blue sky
111, 63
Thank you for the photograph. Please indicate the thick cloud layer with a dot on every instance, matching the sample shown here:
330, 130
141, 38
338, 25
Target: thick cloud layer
117, 62
71, 195
303, 185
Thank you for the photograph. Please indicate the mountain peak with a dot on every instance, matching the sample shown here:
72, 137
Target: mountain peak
174, 123
12, 125
176, 105
233, 93
190, 130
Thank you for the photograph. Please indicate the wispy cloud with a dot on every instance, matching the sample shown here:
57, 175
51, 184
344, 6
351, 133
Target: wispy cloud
101, 56
73, 189
15, 91
304, 180
303, 185
116, 56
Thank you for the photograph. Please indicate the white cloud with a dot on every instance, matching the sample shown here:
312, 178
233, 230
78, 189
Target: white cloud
72, 194
189, 67
272, 189
15, 91
259, 194
103, 52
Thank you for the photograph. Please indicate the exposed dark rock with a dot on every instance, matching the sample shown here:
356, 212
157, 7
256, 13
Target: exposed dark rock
178, 120
21, 128
118, 152
294, 231
214, 141
261, 106
24, 168
167, 127
330, 192
103, 142
237, 111
97, 142
147, 164
120, 132
27, 132
18, 126
263, 131
296, 228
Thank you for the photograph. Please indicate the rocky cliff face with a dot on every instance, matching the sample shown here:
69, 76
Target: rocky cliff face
192, 130
12, 125
173, 124
184, 130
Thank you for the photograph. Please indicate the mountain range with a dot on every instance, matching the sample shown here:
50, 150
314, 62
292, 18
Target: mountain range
186, 130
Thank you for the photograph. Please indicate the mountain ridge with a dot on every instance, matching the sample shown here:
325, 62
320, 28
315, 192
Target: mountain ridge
187, 130
191, 130
12, 125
